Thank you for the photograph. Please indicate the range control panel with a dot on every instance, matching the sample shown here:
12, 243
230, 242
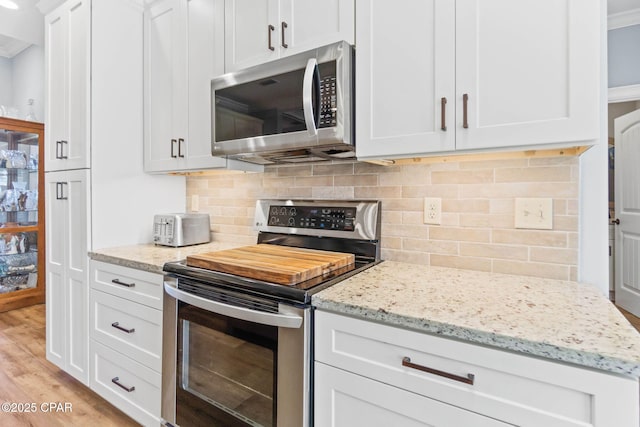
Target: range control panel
315, 217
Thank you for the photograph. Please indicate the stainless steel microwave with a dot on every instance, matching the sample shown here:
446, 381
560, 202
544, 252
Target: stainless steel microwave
294, 109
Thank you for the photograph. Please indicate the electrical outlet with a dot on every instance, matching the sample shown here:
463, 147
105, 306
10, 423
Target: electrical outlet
195, 203
433, 210
534, 213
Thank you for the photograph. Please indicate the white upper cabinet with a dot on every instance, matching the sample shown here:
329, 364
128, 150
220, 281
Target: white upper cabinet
67, 134
257, 32
513, 74
405, 77
182, 39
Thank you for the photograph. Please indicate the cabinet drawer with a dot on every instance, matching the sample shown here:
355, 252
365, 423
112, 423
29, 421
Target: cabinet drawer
130, 328
345, 399
135, 285
142, 399
515, 388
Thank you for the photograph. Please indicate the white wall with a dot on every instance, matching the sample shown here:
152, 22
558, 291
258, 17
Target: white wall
6, 79
28, 81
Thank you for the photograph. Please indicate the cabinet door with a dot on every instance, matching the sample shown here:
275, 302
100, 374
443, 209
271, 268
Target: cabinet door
67, 292
68, 97
344, 399
56, 305
311, 24
248, 32
530, 71
404, 68
165, 106
205, 29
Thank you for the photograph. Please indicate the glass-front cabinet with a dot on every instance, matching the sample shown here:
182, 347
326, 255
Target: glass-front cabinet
22, 234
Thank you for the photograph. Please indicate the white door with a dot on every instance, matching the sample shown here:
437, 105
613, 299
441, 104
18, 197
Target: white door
307, 24
205, 29
405, 71
529, 71
165, 98
252, 30
68, 44
627, 207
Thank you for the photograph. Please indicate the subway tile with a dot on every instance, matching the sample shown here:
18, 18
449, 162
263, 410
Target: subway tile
430, 246
294, 192
333, 169
459, 234
553, 161
536, 269
530, 237
303, 170
467, 263
538, 174
444, 191
396, 230
462, 176
314, 181
332, 193
390, 179
486, 221
391, 217
391, 243
494, 164
399, 204
356, 180
494, 251
421, 258
502, 206
565, 223
466, 205
519, 189
554, 255
413, 218
377, 192
366, 168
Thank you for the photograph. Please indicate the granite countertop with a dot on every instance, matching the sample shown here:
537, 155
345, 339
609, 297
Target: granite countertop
151, 257
565, 321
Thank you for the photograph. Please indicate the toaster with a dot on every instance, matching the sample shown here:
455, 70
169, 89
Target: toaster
181, 229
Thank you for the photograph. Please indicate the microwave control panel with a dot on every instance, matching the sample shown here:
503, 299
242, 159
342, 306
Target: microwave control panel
321, 218
328, 105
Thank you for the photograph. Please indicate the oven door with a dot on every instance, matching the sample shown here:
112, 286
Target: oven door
234, 363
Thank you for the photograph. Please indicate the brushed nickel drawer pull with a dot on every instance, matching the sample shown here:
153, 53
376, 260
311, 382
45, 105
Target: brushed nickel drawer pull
443, 108
180, 141
406, 361
119, 282
117, 326
465, 101
62, 144
116, 381
270, 30
173, 141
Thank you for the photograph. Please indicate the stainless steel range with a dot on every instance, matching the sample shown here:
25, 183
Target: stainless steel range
238, 349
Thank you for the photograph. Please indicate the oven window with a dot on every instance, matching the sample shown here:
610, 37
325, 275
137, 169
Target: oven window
226, 370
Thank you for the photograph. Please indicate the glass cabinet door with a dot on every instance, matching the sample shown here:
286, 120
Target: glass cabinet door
21, 267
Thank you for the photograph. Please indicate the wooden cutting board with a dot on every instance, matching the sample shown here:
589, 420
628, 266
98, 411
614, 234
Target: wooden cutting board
278, 264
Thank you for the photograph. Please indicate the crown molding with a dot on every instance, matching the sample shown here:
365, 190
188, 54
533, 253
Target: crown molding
623, 19
12, 48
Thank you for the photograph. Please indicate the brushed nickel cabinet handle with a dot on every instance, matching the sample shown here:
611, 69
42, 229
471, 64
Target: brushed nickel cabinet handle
270, 29
406, 361
116, 381
58, 149
465, 101
60, 191
121, 283
117, 326
180, 141
443, 108
282, 27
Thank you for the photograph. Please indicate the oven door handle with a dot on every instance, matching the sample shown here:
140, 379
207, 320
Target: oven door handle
272, 319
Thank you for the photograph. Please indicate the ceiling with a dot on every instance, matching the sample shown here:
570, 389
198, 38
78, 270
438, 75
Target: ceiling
23, 27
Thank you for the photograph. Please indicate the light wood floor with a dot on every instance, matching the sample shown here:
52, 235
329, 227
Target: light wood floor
27, 377
635, 321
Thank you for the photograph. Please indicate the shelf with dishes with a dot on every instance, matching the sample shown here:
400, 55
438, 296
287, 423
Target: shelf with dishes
21, 214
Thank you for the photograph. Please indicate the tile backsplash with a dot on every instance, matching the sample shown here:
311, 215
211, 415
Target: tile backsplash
477, 230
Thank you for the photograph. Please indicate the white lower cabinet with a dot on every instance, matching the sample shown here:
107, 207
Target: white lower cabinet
376, 375
126, 339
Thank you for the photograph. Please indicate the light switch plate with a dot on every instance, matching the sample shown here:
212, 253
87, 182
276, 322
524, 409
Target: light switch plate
432, 210
534, 213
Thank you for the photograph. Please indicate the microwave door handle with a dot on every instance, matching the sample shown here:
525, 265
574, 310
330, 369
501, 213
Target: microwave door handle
310, 83
272, 319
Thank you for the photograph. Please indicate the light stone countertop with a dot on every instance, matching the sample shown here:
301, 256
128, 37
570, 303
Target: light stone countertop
151, 257
559, 320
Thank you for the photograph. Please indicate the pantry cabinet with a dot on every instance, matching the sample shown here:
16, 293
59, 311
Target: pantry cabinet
67, 108
475, 75
181, 42
67, 292
394, 376
257, 32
